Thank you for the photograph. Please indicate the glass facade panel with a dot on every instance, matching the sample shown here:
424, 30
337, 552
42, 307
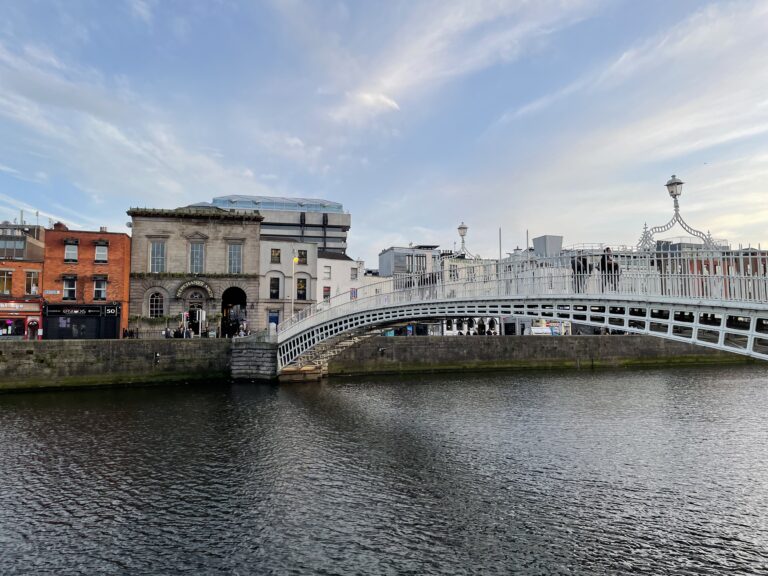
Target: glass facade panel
196, 257
235, 258
157, 257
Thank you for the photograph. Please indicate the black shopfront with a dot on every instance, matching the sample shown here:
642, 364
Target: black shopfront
81, 321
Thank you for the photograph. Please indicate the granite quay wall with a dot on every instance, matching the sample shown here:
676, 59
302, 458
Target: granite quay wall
253, 360
72, 363
447, 353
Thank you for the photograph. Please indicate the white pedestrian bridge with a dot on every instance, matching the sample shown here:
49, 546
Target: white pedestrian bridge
713, 297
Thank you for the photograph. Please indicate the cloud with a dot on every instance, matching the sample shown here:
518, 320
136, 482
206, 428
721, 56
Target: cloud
116, 147
441, 41
142, 10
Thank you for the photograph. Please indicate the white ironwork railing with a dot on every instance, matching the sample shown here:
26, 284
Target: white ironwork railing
721, 277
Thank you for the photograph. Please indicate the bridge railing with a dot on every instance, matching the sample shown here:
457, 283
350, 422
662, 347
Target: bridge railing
726, 276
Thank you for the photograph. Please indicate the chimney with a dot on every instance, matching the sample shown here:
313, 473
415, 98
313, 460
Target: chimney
103, 229
60, 226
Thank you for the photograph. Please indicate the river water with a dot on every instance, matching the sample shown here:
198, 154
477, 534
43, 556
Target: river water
627, 472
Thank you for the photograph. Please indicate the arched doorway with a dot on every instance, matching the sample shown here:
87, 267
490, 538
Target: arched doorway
195, 301
233, 311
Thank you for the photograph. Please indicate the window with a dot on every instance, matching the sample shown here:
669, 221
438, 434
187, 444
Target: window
274, 288
275, 256
100, 289
6, 279
102, 254
302, 257
32, 284
155, 305
326, 293
409, 263
453, 272
353, 273
235, 259
157, 257
326, 272
301, 288
70, 289
421, 263
196, 257
70, 253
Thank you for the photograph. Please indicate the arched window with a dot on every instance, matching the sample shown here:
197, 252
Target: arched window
155, 305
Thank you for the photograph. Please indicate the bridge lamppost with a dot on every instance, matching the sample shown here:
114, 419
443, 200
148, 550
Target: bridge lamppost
675, 188
294, 261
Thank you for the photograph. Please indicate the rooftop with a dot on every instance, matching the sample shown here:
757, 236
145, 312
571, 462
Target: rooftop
267, 203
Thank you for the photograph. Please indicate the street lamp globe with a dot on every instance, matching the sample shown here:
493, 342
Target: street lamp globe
675, 186
463, 230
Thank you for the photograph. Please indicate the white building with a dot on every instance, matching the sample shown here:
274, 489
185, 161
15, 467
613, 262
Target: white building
287, 286
338, 274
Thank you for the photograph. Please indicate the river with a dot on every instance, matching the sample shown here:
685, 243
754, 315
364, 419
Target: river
580, 472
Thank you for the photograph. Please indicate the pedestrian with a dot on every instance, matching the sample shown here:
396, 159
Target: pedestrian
581, 271
610, 270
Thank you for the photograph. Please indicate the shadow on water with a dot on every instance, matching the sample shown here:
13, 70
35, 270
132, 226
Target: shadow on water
629, 471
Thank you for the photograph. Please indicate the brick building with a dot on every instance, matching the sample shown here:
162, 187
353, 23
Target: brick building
86, 283
21, 270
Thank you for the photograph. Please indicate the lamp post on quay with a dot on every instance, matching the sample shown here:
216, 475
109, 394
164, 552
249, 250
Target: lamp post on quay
293, 281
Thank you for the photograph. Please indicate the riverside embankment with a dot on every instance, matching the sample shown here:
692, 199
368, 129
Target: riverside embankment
75, 363
381, 355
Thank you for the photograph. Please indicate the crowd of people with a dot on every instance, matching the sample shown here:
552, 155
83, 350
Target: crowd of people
608, 268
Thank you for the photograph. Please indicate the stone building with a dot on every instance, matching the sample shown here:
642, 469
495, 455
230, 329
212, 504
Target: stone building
191, 259
86, 283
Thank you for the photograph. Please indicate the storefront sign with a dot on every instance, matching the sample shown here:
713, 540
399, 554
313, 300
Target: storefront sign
194, 284
83, 310
51, 291
20, 306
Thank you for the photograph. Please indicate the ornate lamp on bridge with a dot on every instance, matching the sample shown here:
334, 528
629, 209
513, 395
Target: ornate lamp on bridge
463, 232
675, 188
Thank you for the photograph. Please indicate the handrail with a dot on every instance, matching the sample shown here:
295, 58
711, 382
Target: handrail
723, 276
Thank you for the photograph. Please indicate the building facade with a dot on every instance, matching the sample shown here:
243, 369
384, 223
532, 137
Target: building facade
399, 260
338, 274
195, 269
22, 250
286, 286
86, 283
311, 220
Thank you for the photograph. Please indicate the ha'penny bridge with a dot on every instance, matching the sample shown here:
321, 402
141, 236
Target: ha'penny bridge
701, 292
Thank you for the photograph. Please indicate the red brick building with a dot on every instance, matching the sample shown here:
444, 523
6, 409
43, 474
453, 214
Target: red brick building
21, 271
86, 283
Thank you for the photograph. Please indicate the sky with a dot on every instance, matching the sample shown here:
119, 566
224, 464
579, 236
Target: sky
531, 116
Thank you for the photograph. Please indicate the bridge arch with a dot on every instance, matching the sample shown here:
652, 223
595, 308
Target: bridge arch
727, 311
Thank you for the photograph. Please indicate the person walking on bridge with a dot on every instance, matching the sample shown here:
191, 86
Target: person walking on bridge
609, 269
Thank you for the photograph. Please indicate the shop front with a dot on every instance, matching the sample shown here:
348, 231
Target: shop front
81, 321
20, 319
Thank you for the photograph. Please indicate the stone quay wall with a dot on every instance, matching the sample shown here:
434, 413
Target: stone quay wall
253, 360
73, 363
385, 355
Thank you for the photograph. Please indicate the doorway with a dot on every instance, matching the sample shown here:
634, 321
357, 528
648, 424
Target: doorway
233, 312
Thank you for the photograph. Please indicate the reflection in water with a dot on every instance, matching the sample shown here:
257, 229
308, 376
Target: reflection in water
579, 472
